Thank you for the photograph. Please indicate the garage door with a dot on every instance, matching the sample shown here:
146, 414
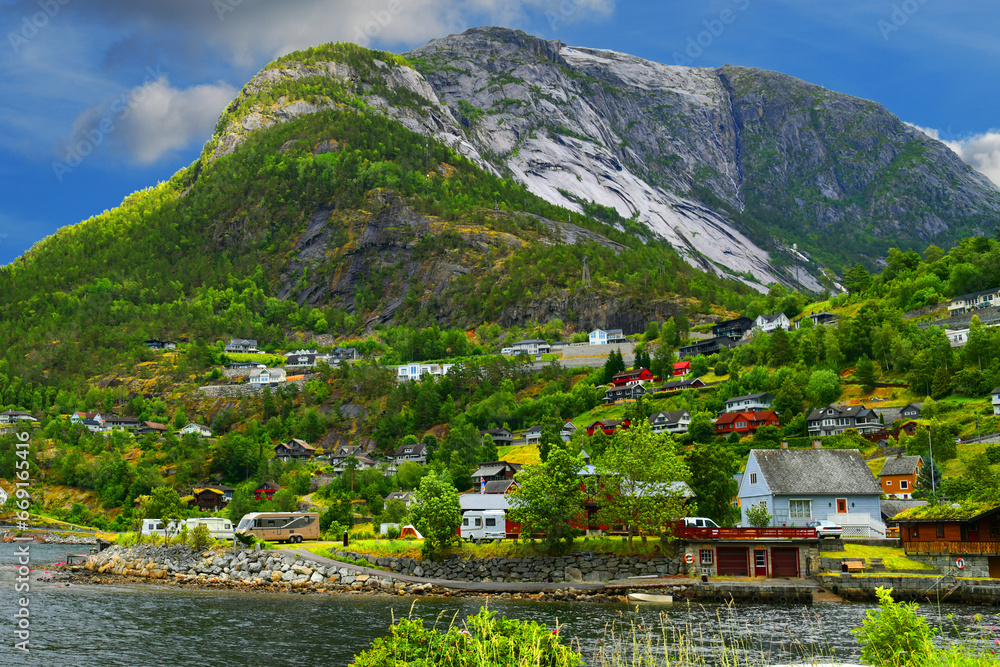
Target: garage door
734, 561
994, 564
785, 562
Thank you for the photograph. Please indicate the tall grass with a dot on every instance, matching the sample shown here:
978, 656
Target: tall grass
507, 548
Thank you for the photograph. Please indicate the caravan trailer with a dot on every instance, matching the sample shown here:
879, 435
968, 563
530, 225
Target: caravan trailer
281, 526
218, 528
156, 527
484, 525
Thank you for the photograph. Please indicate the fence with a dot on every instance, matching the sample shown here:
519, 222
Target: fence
858, 524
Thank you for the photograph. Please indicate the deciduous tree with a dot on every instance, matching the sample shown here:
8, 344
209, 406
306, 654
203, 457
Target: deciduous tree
548, 497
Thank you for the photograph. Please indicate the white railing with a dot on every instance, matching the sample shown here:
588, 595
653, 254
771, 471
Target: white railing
858, 524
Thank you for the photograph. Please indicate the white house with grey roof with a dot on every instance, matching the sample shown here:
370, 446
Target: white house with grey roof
803, 485
834, 420
750, 402
531, 347
769, 323
602, 337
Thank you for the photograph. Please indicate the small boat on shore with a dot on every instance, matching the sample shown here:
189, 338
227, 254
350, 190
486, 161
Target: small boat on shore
650, 598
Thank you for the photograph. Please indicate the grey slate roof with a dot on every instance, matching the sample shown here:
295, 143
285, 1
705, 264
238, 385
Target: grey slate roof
748, 397
499, 486
483, 501
904, 465
891, 508
856, 411
668, 416
816, 471
488, 471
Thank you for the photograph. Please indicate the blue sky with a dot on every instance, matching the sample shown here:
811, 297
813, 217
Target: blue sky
104, 97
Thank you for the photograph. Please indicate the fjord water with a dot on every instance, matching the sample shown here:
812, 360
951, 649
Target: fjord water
155, 625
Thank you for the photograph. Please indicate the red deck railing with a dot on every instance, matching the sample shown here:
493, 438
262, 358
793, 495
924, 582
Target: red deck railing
689, 533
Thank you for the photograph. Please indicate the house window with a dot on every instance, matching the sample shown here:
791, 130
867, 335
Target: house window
903, 484
753, 478
939, 530
800, 509
915, 531
888, 482
995, 528
706, 556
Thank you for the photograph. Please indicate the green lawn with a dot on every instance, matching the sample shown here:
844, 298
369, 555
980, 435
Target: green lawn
520, 454
506, 548
893, 558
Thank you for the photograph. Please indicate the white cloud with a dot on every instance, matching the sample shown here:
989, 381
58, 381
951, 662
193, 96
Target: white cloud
980, 151
148, 121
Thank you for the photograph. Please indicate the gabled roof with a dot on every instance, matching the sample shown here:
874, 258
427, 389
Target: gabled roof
291, 444
900, 465
668, 416
416, 449
499, 486
891, 508
488, 470
499, 431
764, 395
815, 471
678, 384
773, 317
530, 341
268, 485
992, 290
856, 411
483, 501
399, 495
536, 427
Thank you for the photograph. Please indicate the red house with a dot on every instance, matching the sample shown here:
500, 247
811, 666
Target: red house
745, 422
266, 491
682, 368
627, 378
609, 426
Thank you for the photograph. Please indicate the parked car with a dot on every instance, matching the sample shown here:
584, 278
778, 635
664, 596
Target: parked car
826, 528
699, 522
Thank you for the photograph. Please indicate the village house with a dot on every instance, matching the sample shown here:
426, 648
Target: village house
626, 378
818, 319
13, 416
502, 437
415, 453
211, 497
899, 476
305, 359
734, 329
343, 452
707, 347
242, 346
339, 354
197, 429
568, 429
409, 372
405, 497
93, 425
745, 423
995, 395
944, 535
268, 377
155, 344
294, 450
151, 427
266, 491
244, 365
672, 421
749, 403
602, 337
533, 436
609, 426
531, 346
119, 422
802, 485
681, 368
834, 420
677, 385
625, 393
770, 323
494, 477
78, 417
976, 300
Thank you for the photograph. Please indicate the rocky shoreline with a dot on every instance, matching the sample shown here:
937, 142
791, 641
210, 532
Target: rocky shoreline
250, 570
46, 538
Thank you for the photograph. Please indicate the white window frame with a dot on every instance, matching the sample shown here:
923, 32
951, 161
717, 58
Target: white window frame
904, 484
792, 514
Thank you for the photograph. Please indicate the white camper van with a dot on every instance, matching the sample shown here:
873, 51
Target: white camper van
218, 528
156, 527
484, 525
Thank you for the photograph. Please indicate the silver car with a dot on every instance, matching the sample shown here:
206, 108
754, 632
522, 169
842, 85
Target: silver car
826, 528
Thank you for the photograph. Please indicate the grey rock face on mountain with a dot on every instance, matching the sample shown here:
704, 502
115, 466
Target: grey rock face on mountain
698, 154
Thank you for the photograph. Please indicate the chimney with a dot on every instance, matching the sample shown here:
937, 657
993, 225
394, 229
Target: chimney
784, 444
817, 444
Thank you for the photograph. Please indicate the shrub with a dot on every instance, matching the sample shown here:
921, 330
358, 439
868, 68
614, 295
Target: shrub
392, 532
993, 454
758, 516
485, 641
201, 537
895, 635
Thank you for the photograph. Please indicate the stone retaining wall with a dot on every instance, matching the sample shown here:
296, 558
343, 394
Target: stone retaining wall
238, 390
915, 588
572, 568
